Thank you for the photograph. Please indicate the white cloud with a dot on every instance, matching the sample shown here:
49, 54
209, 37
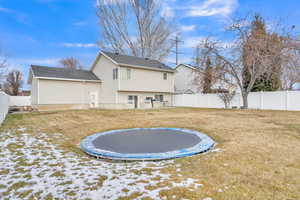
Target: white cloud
80, 45
5, 10
167, 11
20, 17
80, 23
192, 42
21, 62
213, 7
187, 28
181, 59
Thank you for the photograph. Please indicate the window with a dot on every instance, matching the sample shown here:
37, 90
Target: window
128, 74
125, 73
159, 97
165, 76
115, 74
130, 99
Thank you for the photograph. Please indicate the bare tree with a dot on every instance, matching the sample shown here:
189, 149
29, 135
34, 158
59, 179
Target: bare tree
262, 53
3, 67
13, 83
70, 63
226, 97
207, 73
134, 27
291, 70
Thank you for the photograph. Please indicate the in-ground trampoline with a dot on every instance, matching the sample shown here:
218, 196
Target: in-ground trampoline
146, 143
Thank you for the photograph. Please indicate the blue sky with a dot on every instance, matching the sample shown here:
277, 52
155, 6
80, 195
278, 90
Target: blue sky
44, 31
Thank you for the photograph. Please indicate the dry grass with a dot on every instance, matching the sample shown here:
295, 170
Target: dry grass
260, 150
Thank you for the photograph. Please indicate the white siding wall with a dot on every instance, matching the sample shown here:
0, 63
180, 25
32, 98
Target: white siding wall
104, 70
65, 92
4, 104
184, 79
34, 91
147, 81
281, 100
123, 99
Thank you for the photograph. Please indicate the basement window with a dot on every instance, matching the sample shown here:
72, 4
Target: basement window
159, 97
130, 99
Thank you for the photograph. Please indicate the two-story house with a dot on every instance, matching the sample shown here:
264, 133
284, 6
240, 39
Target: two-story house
114, 81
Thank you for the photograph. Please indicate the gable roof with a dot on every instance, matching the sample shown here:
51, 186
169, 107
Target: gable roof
186, 65
63, 73
137, 62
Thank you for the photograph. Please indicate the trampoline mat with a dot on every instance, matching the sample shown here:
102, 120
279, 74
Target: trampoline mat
145, 141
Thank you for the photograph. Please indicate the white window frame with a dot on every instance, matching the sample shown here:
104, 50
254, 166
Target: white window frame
165, 76
115, 74
130, 99
128, 73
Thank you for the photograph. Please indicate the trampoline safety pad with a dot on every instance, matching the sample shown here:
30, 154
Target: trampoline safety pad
146, 143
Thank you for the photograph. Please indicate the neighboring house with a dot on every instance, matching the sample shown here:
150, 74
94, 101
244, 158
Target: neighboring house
114, 81
185, 79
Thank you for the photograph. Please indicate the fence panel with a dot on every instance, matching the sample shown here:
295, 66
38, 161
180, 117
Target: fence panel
19, 101
279, 100
4, 104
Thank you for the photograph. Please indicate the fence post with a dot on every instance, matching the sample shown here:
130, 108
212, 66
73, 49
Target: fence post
261, 100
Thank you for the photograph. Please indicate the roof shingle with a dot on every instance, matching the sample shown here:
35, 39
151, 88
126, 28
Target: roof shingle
63, 73
137, 61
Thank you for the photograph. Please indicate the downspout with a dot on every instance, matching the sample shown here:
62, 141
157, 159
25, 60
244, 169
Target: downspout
119, 84
38, 91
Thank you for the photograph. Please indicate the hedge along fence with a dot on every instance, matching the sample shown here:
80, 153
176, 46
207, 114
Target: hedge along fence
279, 100
4, 105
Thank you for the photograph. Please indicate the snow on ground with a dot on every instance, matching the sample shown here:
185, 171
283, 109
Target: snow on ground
34, 167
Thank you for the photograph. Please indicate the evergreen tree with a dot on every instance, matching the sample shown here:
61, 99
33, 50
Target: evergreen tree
207, 77
269, 81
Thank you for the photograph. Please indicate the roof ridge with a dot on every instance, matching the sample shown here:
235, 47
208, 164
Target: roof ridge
130, 60
58, 72
119, 54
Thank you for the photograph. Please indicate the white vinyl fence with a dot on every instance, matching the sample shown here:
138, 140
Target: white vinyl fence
279, 100
19, 101
4, 104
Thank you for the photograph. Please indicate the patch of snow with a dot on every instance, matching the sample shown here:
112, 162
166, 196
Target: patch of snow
22, 129
216, 150
45, 169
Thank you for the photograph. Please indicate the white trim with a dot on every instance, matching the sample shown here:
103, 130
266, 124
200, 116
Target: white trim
38, 91
98, 57
119, 78
30, 74
106, 56
185, 65
95, 60
66, 79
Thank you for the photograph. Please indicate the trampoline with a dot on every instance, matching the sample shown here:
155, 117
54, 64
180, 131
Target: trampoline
146, 143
